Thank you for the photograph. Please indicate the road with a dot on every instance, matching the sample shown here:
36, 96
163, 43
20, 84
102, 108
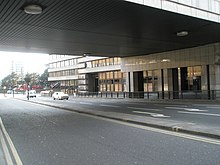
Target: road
46, 135
195, 113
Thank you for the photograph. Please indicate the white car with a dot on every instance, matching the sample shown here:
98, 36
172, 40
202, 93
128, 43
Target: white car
32, 93
60, 96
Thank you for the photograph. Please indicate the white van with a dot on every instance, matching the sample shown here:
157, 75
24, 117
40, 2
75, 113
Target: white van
32, 93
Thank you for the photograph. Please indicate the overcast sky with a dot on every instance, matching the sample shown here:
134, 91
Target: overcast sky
32, 62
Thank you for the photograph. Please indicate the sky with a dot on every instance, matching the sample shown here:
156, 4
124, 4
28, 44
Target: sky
32, 62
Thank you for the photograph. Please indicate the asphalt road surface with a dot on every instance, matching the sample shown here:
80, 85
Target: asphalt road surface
44, 135
191, 112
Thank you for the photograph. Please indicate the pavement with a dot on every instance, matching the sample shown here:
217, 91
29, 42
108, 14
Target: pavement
166, 124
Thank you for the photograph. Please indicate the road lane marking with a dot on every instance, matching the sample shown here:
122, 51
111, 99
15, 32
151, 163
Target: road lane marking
141, 112
151, 114
195, 110
86, 103
145, 109
159, 115
10, 143
188, 109
7, 155
106, 105
174, 107
198, 113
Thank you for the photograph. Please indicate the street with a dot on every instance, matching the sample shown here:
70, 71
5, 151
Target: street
46, 135
191, 112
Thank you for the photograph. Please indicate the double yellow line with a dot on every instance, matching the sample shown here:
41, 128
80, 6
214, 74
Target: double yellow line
8, 146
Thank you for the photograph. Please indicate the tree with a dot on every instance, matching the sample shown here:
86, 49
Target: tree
11, 81
44, 79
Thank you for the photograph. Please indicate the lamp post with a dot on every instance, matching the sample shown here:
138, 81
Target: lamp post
27, 80
4, 90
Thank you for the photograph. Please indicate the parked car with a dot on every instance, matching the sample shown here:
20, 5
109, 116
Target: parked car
9, 91
32, 93
60, 96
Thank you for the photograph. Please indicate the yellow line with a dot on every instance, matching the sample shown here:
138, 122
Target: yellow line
12, 147
5, 150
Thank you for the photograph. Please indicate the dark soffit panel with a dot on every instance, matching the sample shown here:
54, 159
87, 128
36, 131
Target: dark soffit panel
99, 27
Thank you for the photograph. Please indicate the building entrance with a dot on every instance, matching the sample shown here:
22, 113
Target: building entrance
93, 82
138, 84
186, 79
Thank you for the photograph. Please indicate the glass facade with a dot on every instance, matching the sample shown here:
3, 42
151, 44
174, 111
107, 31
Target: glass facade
64, 63
107, 81
114, 81
69, 72
194, 77
69, 86
104, 62
150, 80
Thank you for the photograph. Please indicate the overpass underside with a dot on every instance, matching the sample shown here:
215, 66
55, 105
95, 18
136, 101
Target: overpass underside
99, 28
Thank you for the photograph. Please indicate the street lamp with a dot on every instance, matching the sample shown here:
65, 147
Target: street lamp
4, 90
27, 80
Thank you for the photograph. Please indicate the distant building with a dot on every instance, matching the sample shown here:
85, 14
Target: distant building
17, 67
78, 74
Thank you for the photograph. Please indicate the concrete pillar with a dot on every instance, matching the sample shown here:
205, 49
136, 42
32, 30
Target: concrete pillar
204, 78
215, 79
127, 81
160, 80
132, 81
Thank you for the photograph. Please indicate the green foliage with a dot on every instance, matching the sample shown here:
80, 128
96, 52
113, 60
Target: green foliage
14, 80
44, 79
10, 81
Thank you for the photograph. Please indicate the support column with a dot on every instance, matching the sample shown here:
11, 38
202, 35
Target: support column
131, 81
215, 80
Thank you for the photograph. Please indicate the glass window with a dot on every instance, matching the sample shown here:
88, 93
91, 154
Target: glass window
111, 61
116, 87
66, 63
117, 61
111, 75
111, 81
150, 80
88, 64
194, 77
107, 75
107, 62
116, 75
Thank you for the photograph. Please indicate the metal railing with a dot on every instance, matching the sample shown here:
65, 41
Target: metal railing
201, 94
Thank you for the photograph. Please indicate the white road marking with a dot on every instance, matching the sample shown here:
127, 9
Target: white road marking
151, 114
141, 112
159, 115
174, 107
198, 113
195, 110
144, 109
113, 106
86, 103
188, 109
10, 143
